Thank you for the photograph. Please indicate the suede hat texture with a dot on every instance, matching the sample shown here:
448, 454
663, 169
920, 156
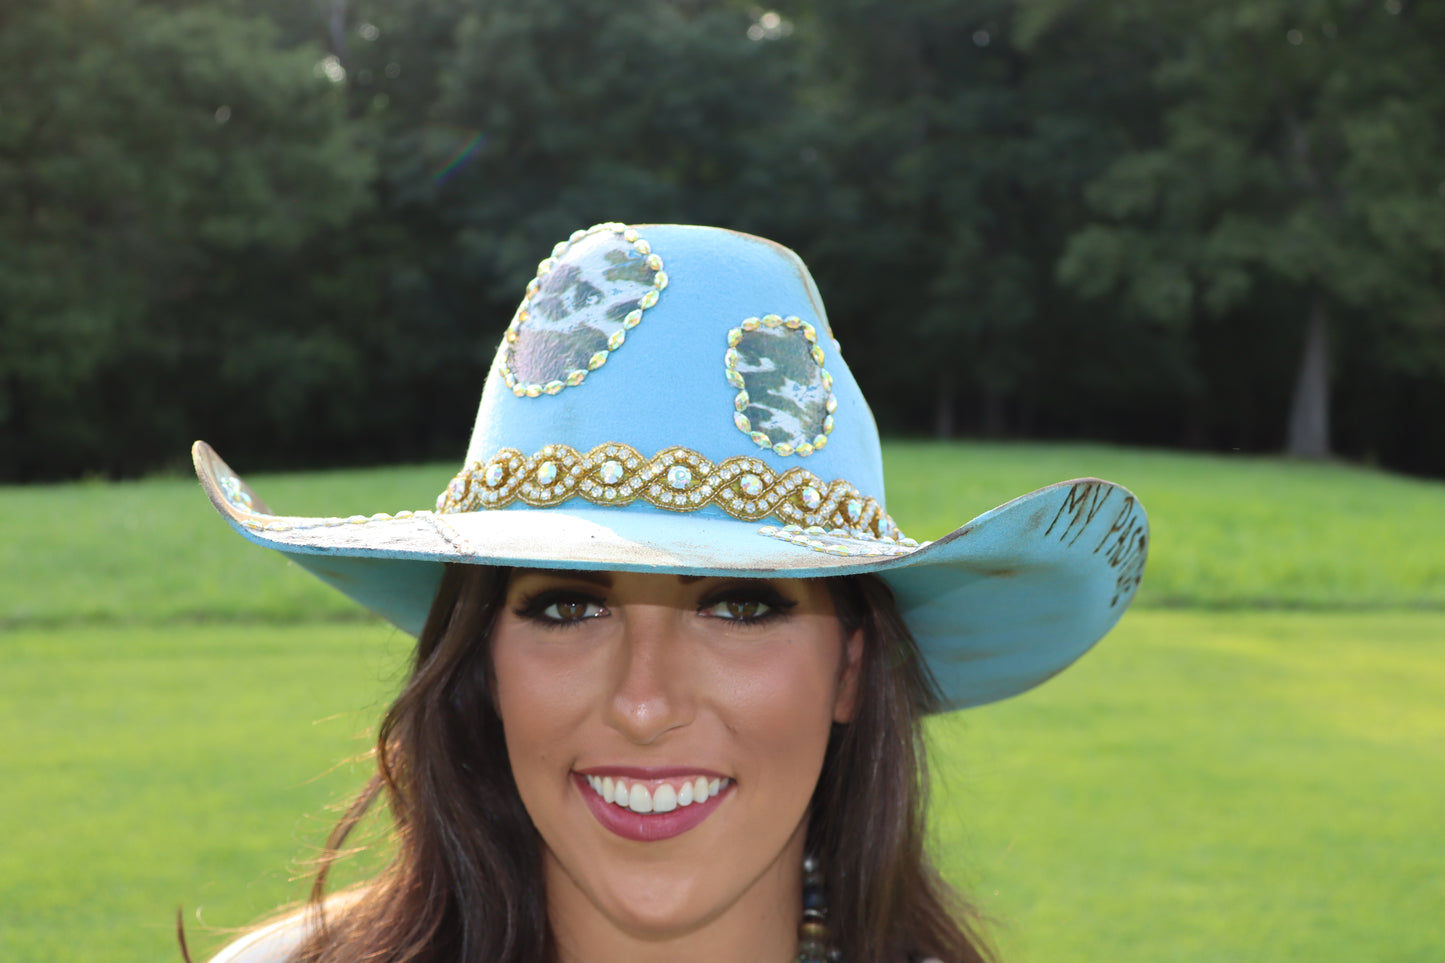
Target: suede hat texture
671, 398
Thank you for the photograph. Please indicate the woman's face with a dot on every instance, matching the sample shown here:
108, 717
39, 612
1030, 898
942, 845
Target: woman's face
666, 733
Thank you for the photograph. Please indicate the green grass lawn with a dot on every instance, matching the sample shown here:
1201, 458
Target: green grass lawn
1250, 768
1227, 533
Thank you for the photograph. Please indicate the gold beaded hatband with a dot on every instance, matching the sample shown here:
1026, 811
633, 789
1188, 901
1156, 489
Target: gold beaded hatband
676, 479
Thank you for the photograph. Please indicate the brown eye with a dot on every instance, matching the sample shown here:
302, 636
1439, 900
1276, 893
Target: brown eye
744, 610
571, 610
738, 610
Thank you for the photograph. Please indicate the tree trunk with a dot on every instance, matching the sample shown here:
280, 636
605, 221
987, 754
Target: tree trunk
336, 30
993, 415
943, 408
1309, 414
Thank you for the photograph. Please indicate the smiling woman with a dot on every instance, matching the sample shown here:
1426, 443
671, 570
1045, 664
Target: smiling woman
671, 668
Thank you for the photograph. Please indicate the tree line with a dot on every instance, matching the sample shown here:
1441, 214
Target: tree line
297, 228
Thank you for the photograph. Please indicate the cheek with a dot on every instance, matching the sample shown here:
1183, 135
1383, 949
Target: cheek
538, 699
784, 711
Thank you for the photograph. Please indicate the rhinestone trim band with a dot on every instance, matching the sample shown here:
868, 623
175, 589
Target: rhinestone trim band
598, 359
802, 448
676, 479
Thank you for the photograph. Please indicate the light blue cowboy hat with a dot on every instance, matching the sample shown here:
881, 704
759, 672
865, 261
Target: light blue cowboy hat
671, 399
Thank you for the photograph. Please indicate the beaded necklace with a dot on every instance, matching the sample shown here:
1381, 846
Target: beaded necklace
813, 943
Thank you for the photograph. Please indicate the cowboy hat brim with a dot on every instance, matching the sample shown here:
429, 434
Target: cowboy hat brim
997, 606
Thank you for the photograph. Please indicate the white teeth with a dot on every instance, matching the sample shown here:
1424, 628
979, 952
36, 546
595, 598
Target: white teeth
664, 799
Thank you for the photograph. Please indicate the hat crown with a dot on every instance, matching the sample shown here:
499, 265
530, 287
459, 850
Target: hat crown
665, 336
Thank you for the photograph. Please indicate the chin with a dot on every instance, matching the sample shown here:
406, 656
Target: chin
657, 906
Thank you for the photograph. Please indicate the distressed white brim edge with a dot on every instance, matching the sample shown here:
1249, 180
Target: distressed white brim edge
997, 606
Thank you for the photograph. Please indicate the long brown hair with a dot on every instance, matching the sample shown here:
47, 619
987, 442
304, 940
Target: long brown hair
466, 880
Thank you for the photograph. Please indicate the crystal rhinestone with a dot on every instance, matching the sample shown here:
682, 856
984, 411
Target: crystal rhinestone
741, 420
832, 404
751, 485
759, 438
547, 472
614, 341
633, 318
731, 358
597, 361
735, 379
793, 322
574, 378
679, 476
772, 320
665, 498
659, 280
648, 299
854, 508
817, 354
654, 262
611, 472
804, 449
552, 387
810, 497
642, 247
495, 474
827, 380
750, 324
534, 391
611, 493
810, 332
828, 425
783, 448
735, 337
819, 442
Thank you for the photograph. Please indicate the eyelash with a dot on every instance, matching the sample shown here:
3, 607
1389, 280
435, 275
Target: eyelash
534, 607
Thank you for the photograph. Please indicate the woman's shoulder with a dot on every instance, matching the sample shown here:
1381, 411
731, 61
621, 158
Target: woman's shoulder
277, 942
270, 944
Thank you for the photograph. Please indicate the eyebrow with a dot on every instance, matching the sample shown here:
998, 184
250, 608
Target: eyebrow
589, 575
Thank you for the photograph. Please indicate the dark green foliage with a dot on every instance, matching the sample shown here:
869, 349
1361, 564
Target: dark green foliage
298, 229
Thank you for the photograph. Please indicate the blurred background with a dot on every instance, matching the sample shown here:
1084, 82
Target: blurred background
297, 228
1158, 242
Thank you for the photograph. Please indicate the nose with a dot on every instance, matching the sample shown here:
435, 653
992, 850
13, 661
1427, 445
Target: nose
651, 694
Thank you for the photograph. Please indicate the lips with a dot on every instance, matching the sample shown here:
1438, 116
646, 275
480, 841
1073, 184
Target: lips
647, 806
